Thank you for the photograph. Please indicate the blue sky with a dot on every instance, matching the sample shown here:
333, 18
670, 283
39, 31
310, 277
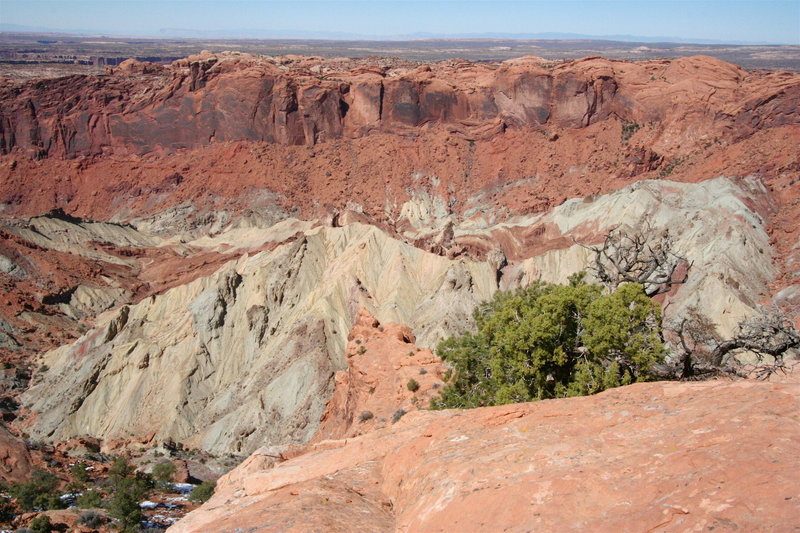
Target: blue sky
722, 20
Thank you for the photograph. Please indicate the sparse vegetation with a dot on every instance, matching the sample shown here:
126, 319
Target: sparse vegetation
124, 507
41, 524
412, 385
628, 129
129, 487
37, 494
78, 471
164, 472
203, 491
89, 499
670, 167
397, 415
91, 519
365, 415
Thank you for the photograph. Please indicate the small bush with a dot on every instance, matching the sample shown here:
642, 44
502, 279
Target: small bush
398, 415
422, 371
628, 129
78, 471
164, 471
203, 491
366, 415
38, 493
89, 499
6, 511
412, 385
552, 341
361, 350
41, 524
91, 519
120, 469
124, 506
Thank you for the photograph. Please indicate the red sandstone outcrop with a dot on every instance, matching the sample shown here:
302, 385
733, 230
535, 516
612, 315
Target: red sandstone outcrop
647, 457
382, 360
226, 97
15, 461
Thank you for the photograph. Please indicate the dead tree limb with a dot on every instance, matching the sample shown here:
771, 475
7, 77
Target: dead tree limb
768, 336
644, 257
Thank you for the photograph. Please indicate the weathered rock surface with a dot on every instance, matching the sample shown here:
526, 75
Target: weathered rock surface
63, 271
382, 361
251, 355
659, 456
212, 98
247, 356
521, 135
15, 460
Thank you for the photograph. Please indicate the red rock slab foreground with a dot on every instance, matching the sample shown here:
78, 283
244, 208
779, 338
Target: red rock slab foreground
706, 456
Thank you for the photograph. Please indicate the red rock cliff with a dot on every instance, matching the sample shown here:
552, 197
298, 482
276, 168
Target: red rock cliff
294, 101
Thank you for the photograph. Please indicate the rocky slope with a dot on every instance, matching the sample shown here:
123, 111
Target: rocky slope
247, 356
659, 456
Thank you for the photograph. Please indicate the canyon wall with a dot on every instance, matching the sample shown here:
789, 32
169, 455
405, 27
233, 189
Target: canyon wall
141, 107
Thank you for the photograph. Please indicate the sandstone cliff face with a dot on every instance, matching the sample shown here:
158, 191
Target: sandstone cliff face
251, 355
213, 98
657, 456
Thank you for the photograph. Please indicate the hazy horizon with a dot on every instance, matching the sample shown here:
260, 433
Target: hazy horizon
702, 22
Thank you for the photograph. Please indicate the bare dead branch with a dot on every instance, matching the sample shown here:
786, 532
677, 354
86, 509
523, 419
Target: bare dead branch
646, 258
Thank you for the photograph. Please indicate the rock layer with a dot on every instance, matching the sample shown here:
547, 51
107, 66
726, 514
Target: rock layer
247, 356
377, 389
212, 98
659, 456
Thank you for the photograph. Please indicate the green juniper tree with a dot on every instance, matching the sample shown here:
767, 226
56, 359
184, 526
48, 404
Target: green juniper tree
551, 341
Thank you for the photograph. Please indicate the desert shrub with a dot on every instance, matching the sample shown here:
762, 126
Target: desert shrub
78, 471
89, 499
412, 385
38, 493
124, 506
41, 524
164, 471
628, 129
552, 341
129, 487
6, 511
91, 519
120, 469
203, 491
366, 415
397, 415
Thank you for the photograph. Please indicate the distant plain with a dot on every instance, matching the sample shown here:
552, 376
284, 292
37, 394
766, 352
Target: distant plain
28, 55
